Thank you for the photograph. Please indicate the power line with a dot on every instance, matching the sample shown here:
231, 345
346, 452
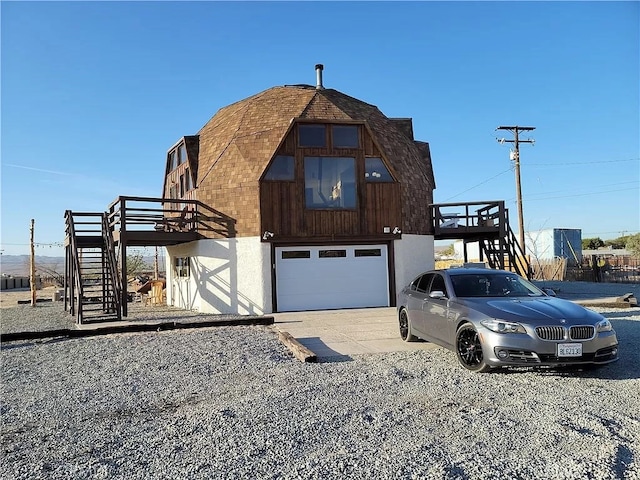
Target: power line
481, 183
528, 196
563, 163
581, 194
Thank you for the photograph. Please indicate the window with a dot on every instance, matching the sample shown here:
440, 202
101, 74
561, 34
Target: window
187, 177
375, 171
330, 182
282, 168
332, 253
345, 136
438, 284
296, 254
173, 160
182, 154
420, 284
311, 136
181, 265
369, 252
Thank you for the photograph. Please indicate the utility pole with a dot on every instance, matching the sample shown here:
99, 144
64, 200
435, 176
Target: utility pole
515, 157
32, 266
156, 267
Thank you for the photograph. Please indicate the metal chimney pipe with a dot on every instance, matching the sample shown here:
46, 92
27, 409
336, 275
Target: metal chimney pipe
319, 68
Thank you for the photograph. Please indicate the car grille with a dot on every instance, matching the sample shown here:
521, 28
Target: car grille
583, 332
550, 333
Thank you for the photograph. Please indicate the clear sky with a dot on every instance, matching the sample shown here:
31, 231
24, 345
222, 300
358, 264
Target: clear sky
94, 94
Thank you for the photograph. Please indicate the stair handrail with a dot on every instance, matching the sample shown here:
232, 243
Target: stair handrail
112, 262
517, 256
75, 260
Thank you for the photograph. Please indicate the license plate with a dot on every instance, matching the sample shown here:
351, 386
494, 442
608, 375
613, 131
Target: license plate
569, 349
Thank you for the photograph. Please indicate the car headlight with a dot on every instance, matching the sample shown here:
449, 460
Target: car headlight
604, 325
500, 326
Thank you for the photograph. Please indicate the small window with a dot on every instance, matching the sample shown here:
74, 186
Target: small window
332, 253
182, 186
282, 168
375, 170
345, 136
369, 252
187, 177
182, 266
288, 254
312, 136
173, 160
438, 284
182, 154
422, 282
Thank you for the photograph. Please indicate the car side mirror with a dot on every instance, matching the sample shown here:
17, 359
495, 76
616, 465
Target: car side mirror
437, 294
550, 292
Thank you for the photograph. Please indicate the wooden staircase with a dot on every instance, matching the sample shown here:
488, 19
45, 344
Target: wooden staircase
505, 253
484, 223
93, 289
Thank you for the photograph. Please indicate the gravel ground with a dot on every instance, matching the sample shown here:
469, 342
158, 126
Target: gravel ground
232, 403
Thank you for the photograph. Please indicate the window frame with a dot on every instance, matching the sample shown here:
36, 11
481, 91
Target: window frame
310, 126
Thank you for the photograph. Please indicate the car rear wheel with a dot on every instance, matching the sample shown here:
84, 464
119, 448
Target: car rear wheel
469, 349
405, 327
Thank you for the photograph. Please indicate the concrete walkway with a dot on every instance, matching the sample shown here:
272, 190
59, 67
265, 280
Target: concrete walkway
337, 334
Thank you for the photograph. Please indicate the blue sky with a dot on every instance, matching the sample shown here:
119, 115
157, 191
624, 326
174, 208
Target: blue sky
93, 95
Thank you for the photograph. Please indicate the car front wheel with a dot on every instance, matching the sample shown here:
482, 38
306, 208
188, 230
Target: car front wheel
405, 327
469, 349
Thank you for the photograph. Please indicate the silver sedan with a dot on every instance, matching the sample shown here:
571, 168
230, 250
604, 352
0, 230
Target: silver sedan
495, 318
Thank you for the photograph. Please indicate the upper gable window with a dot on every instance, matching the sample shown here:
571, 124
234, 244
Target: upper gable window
312, 136
182, 154
375, 170
173, 160
330, 182
282, 168
345, 136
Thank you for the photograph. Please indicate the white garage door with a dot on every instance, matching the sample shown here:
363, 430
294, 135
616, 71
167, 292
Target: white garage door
318, 278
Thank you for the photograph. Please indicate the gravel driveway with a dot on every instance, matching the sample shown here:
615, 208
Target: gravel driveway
232, 403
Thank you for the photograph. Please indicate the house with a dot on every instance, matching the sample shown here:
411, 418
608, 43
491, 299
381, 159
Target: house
327, 202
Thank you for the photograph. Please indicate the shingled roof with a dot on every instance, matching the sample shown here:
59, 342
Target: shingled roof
236, 145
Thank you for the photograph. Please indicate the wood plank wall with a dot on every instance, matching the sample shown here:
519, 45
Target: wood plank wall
283, 202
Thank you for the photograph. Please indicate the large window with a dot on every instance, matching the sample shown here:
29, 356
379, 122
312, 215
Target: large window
375, 171
330, 182
312, 136
282, 168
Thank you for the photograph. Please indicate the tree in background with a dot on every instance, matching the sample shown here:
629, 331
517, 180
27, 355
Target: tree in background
617, 243
450, 251
633, 244
592, 243
136, 265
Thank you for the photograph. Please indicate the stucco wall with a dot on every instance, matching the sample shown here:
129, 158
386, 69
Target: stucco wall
414, 254
218, 281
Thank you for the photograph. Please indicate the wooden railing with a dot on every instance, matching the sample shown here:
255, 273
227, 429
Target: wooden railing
468, 217
167, 215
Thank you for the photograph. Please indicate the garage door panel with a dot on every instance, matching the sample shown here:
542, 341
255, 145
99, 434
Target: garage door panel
342, 279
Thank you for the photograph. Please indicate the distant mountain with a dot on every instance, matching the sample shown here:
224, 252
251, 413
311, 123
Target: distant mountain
18, 265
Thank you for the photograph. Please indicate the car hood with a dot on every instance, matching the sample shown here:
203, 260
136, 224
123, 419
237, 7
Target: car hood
539, 309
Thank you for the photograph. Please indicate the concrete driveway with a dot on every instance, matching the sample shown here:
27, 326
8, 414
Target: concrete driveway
338, 334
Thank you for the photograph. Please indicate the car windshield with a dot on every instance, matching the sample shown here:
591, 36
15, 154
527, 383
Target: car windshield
493, 285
